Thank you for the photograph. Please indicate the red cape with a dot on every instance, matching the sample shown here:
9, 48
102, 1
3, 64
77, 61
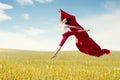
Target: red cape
84, 43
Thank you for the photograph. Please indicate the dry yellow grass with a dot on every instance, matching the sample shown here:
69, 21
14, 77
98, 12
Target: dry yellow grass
69, 65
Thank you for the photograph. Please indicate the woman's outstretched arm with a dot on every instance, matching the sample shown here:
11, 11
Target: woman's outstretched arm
75, 27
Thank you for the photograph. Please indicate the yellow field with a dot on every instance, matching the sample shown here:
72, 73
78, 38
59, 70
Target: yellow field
72, 65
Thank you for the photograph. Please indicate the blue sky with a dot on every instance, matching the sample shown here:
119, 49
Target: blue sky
34, 24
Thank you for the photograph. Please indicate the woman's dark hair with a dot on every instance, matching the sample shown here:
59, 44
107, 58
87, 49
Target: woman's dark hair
68, 21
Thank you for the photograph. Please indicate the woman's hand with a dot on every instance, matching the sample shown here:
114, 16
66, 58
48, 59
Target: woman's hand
88, 30
83, 30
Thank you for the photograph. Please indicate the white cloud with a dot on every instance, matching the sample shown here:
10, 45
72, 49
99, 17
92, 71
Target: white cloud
43, 1
111, 5
33, 31
25, 2
31, 2
3, 15
14, 40
22, 41
104, 29
26, 16
5, 6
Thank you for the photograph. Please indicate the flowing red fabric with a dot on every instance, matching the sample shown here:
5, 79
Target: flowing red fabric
84, 43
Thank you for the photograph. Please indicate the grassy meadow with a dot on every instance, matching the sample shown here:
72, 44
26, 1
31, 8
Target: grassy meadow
68, 65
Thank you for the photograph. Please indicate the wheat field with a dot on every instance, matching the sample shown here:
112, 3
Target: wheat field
68, 65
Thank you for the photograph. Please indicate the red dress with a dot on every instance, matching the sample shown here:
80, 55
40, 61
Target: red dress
66, 32
84, 43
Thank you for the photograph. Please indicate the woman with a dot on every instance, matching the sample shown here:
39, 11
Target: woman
66, 32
